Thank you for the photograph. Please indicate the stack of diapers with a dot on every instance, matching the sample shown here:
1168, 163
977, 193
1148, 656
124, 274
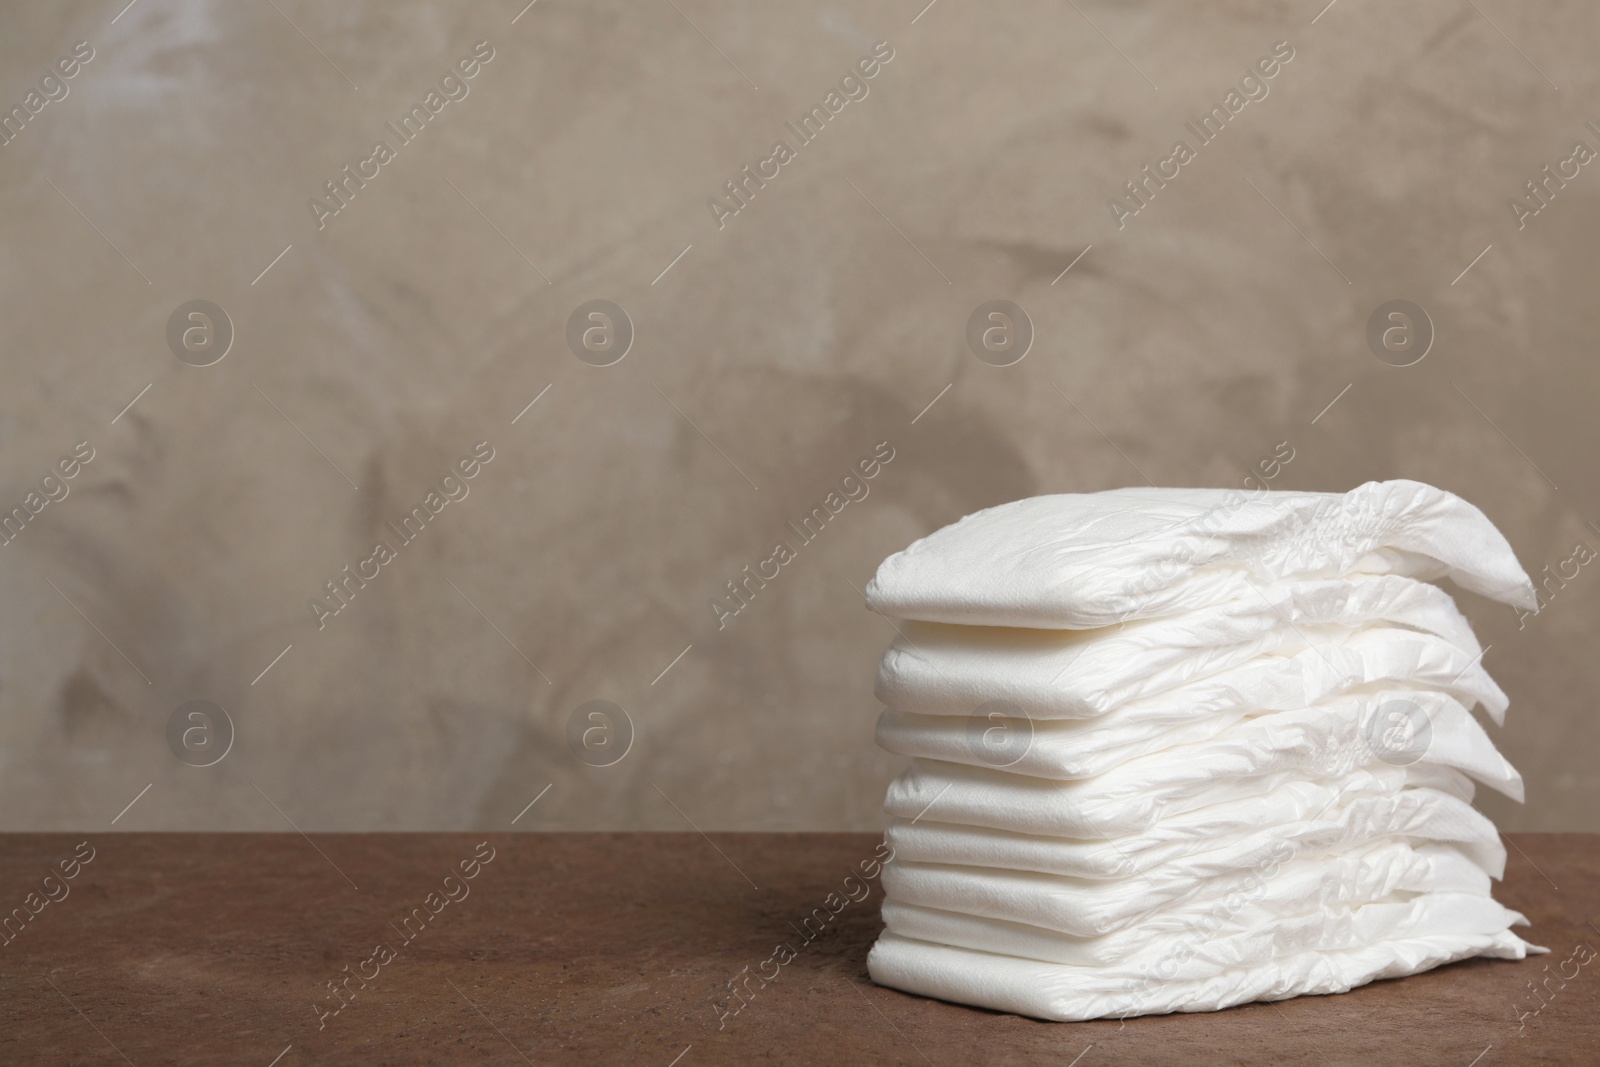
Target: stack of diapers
1180, 749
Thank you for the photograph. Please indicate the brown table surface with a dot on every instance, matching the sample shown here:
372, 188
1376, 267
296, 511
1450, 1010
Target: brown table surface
614, 948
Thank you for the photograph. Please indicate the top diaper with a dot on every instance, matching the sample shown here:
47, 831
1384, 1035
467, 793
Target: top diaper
1079, 561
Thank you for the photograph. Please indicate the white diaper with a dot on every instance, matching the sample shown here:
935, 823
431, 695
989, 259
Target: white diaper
1057, 992
1208, 948
1085, 908
1327, 740
1082, 561
1310, 817
935, 668
1267, 683
1094, 807
1174, 750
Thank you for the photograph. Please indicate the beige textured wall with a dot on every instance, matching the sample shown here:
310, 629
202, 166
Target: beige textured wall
1186, 345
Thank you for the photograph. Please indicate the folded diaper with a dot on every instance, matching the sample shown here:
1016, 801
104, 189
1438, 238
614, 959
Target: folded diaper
1098, 807
1144, 913
1304, 816
1175, 750
1063, 993
1082, 561
1328, 740
1069, 674
931, 683
1322, 929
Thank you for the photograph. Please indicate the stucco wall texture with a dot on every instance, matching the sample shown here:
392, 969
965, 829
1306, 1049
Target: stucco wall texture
1195, 341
